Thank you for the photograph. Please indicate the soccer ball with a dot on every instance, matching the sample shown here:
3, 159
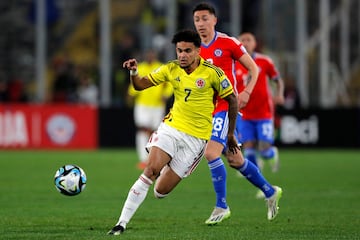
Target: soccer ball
70, 180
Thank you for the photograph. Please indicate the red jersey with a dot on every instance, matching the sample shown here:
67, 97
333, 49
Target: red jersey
223, 51
260, 105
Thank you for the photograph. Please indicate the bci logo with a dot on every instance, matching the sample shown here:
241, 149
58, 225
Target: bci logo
305, 131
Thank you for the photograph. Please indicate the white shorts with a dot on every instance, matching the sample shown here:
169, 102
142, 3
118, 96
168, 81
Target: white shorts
186, 151
148, 117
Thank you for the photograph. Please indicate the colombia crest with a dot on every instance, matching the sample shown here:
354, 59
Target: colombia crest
200, 83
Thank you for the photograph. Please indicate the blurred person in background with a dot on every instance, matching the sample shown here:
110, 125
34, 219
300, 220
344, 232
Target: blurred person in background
65, 81
87, 90
291, 94
223, 51
149, 106
126, 46
256, 126
13, 90
16, 91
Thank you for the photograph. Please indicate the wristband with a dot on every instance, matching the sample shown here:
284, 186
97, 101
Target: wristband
134, 72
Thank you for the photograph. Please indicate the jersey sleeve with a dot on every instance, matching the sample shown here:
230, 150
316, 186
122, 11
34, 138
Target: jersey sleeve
272, 71
237, 49
159, 75
224, 87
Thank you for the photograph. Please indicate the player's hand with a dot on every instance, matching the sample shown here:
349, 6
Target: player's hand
130, 64
279, 100
232, 144
243, 99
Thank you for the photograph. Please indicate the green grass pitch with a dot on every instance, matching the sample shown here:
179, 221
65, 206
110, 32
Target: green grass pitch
321, 199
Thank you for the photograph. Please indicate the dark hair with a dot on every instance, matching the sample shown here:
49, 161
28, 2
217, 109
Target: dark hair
204, 6
187, 35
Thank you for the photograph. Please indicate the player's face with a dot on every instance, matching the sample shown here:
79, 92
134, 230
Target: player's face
187, 54
249, 42
204, 22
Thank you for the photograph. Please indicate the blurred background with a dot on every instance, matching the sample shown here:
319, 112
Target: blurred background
67, 55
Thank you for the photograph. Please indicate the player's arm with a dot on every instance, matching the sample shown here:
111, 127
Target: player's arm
139, 83
279, 98
251, 66
232, 114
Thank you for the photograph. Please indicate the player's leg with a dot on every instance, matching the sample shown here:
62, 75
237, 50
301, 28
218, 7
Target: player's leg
166, 182
142, 119
267, 150
138, 192
246, 167
148, 120
248, 139
217, 168
142, 137
218, 171
184, 162
253, 175
159, 155
250, 171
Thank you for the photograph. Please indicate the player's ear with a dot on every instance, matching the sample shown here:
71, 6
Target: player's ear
198, 51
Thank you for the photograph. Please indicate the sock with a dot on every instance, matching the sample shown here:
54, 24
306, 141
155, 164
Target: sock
141, 140
268, 153
218, 174
250, 154
253, 174
135, 197
159, 195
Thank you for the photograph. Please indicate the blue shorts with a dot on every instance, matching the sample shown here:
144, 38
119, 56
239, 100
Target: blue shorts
220, 128
256, 130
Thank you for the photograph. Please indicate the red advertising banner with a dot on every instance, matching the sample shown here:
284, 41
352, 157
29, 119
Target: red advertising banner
48, 126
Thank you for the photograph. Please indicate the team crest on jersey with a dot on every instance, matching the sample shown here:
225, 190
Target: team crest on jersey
218, 52
225, 83
200, 83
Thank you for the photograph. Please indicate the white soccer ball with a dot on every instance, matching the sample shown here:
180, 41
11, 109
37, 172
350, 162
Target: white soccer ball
70, 180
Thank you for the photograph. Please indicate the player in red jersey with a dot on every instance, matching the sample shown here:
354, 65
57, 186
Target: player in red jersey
257, 124
223, 51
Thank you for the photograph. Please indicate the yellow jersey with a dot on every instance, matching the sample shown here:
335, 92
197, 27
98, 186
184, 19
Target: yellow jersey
154, 96
194, 95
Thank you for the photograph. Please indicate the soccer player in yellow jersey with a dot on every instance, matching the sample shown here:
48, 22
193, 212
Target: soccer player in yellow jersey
149, 105
178, 145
